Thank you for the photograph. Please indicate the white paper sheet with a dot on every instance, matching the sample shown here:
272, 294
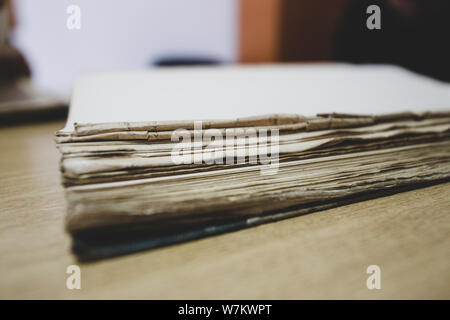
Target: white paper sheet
230, 92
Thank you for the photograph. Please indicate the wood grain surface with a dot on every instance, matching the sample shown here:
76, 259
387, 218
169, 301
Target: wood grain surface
321, 255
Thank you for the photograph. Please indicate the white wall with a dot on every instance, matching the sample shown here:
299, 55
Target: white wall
120, 34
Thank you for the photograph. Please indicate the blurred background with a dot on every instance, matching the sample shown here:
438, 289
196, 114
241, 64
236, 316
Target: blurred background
36, 42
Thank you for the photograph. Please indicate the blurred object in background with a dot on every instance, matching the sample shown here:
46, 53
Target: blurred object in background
19, 100
259, 23
414, 34
308, 28
173, 61
12, 64
288, 30
6, 20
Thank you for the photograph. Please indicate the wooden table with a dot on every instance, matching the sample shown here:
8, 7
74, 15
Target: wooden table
321, 255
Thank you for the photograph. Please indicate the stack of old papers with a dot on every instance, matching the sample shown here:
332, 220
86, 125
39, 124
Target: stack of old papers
174, 176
